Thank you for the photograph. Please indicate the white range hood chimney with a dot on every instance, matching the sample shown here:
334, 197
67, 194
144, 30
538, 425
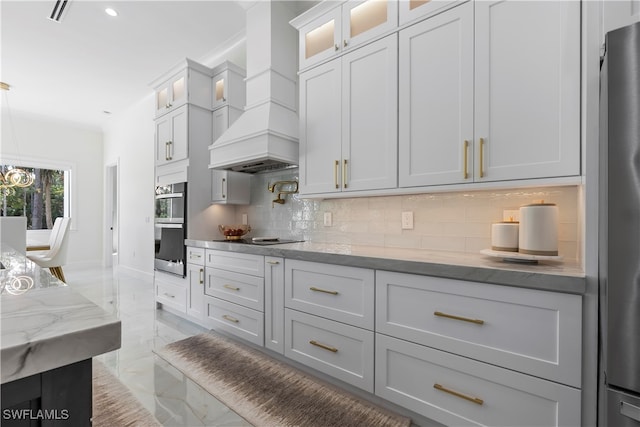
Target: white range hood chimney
266, 135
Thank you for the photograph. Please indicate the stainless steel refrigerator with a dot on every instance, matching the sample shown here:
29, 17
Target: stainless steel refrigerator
620, 225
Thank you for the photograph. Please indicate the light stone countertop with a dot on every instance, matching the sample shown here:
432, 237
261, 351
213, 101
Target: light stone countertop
549, 276
44, 323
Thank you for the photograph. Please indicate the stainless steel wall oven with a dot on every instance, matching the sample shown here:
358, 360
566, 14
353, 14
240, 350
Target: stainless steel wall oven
170, 228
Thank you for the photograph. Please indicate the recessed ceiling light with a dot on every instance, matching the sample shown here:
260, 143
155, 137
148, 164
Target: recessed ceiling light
111, 12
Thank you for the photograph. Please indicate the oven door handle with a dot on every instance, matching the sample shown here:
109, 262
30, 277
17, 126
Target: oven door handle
167, 225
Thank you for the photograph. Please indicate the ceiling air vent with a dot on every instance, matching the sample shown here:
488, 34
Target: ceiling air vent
58, 9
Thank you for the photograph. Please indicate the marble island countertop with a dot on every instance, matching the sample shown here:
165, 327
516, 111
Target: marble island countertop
551, 276
45, 324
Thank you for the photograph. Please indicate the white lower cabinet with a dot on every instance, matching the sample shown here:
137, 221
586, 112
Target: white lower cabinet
235, 294
527, 330
337, 292
274, 303
195, 291
342, 351
455, 390
171, 291
235, 319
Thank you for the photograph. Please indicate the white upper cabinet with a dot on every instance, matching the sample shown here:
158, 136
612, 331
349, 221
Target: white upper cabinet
342, 28
348, 121
495, 104
411, 10
172, 136
320, 128
228, 87
436, 100
527, 89
188, 82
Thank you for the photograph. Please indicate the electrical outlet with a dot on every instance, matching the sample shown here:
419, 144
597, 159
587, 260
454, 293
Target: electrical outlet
245, 219
407, 220
328, 222
511, 215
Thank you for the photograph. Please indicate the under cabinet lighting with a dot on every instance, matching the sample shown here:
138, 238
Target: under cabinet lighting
111, 12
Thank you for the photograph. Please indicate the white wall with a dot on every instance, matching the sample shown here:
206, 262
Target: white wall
129, 142
52, 144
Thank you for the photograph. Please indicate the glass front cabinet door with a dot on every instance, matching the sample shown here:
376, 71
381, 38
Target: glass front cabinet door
345, 27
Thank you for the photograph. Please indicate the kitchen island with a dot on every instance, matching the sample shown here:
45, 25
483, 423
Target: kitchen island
49, 335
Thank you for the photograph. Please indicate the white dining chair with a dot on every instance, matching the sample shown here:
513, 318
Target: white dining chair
56, 256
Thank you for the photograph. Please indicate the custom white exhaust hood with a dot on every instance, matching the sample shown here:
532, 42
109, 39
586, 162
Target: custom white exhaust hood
265, 136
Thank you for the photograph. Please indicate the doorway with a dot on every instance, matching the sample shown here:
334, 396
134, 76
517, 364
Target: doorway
111, 235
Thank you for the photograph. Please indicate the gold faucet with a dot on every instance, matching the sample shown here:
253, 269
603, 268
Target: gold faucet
272, 188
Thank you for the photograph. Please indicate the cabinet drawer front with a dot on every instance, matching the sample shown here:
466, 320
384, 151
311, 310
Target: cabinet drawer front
342, 351
236, 262
195, 255
238, 288
454, 390
530, 331
235, 319
345, 294
172, 296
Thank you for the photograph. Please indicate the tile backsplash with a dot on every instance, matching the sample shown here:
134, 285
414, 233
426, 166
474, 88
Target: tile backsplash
456, 221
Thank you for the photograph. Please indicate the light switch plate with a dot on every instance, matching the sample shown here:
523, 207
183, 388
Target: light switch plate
407, 220
328, 222
245, 219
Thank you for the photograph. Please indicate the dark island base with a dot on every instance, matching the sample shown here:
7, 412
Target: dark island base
59, 397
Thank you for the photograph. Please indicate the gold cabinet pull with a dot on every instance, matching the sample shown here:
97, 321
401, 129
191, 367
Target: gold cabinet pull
166, 150
222, 189
326, 347
230, 319
481, 157
344, 42
466, 159
169, 295
475, 400
194, 256
170, 150
336, 47
344, 173
273, 262
313, 288
233, 288
335, 173
464, 319
201, 276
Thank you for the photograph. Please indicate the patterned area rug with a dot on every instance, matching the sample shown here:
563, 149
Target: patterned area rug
113, 403
267, 392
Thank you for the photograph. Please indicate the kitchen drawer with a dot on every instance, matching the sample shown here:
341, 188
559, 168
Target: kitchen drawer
239, 288
530, 331
454, 390
236, 262
235, 319
342, 351
341, 293
195, 255
171, 295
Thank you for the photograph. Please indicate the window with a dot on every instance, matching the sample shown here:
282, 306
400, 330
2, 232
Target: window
42, 202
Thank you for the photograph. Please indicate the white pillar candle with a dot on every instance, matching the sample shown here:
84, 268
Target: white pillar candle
539, 229
504, 236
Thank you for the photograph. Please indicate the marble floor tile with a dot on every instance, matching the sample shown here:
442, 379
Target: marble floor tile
173, 399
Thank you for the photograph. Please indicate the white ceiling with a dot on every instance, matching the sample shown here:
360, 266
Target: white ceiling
90, 62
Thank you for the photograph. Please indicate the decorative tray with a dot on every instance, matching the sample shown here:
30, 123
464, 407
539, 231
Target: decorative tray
518, 257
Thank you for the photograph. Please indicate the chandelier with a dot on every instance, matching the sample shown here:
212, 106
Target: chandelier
14, 177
